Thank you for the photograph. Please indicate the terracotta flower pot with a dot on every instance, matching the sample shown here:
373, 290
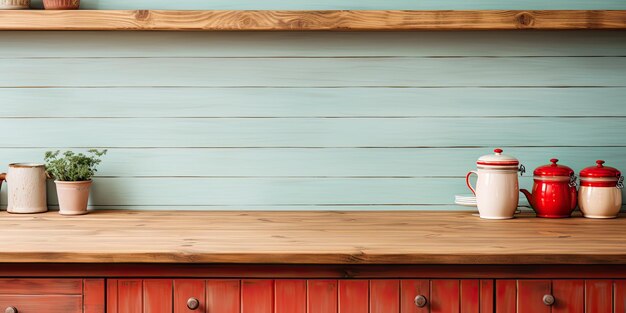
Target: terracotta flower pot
61, 4
73, 197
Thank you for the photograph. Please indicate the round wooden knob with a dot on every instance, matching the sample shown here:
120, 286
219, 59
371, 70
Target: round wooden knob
193, 303
420, 301
10, 309
548, 299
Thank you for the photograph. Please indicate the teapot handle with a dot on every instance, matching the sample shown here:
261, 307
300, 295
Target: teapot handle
467, 181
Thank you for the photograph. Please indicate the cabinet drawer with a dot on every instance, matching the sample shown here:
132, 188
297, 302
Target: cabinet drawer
48, 295
559, 296
41, 287
42, 303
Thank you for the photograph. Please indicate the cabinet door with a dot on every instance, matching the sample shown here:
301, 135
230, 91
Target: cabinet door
223, 296
384, 296
52, 295
599, 296
447, 296
547, 296
257, 296
189, 296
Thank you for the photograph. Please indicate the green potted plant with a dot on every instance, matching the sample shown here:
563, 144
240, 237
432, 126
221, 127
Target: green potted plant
72, 173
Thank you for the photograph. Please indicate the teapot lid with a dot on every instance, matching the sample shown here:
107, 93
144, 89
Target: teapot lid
553, 169
497, 159
600, 171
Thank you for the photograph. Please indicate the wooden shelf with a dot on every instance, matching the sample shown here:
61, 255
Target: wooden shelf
309, 20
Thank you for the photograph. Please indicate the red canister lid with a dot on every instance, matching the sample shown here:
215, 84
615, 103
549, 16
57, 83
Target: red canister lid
600, 171
553, 169
600, 176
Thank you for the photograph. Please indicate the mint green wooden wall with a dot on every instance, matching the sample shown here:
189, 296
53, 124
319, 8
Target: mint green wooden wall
310, 120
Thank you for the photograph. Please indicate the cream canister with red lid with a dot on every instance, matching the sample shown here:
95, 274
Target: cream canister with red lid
497, 186
600, 194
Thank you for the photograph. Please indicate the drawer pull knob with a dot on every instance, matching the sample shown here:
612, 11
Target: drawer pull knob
193, 303
420, 301
548, 299
10, 309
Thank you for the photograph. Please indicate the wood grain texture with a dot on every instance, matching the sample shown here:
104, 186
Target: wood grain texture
43, 303
94, 295
24, 44
569, 295
384, 296
445, 296
306, 237
290, 296
619, 296
380, 71
257, 296
130, 296
599, 296
311, 132
485, 272
112, 297
157, 296
469, 294
530, 295
487, 299
322, 296
223, 296
138, 102
353, 296
185, 289
328, 20
506, 295
50, 286
411, 288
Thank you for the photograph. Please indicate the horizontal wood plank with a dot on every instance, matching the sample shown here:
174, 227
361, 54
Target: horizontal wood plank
91, 44
44, 303
316, 72
312, 102
41, 286
308, 238
319, 163
312, 132
172, 191
328, 20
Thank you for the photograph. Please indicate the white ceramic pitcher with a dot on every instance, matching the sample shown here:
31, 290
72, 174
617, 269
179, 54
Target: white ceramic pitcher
497, 187
27, 188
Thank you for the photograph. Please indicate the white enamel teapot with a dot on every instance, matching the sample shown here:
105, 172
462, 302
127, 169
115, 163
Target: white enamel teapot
497, 187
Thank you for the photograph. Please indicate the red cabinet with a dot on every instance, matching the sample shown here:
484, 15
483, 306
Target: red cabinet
287, 295
560, 296
299, 296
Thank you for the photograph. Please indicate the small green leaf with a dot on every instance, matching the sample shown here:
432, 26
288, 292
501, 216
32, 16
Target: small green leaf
71, 166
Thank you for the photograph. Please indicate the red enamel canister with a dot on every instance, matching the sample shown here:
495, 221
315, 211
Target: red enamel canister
554, 191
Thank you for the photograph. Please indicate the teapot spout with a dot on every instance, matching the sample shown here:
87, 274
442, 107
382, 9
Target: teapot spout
529, 197
3, 177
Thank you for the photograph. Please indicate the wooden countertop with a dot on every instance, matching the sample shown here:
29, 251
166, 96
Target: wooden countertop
308, 238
